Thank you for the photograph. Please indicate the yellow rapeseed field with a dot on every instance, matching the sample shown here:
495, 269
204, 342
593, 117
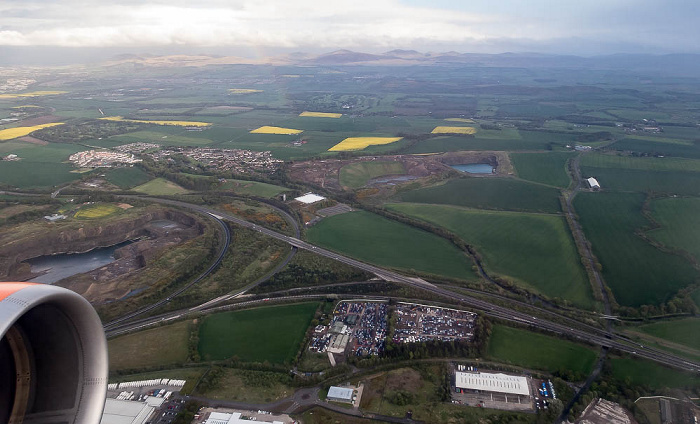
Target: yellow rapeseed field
16, 132
243, 91
32, 94
359, 143
321, 114
275, 130
465, 120
141, 121
25, 106
454, 130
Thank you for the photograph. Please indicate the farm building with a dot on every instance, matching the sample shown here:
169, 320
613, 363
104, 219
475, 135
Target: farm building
309, 198
233, 418
340, 394
482, 382
593, 183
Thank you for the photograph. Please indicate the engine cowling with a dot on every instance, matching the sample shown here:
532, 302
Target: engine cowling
53, 356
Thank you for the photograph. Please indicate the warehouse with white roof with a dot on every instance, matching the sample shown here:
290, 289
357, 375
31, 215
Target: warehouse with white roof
233, 418
496, 383
340, 394
593, 183
309, 198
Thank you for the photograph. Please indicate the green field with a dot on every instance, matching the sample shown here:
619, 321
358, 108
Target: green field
489, 193
270, 334
642, 163
545, 168
538, 351
372, 238
252, 188
39, 165
507, 139
637, 272
160, 187
126, 178
679, 218
657, 148
160, 346
643, 372
356, 175
97, 210
535, 250
683, 331
667, 182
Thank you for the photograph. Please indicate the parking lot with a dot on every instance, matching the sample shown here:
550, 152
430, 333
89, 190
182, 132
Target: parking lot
360, 328
419, 323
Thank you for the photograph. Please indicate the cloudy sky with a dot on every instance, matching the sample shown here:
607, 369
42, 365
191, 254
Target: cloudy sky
250, 27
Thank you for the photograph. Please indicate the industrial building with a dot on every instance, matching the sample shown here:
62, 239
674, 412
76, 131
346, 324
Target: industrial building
481, 382
309, 198
593, 183
233, 418
340, 394
129, 412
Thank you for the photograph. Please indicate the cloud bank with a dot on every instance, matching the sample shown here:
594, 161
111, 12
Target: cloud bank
479, 25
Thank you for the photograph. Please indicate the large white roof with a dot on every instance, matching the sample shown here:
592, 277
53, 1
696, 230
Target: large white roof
125, 412
499, 383
309, 198
232, 418
593, 182
340, 393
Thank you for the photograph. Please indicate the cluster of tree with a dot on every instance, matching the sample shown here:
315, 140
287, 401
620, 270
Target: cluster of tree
186, 416
211, 379
28, 215
596, 136
681, 304
300, 275
587, 120
192, 182
399, 397
92, 129
193, 342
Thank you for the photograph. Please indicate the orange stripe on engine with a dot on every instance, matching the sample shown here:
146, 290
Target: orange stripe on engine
7, 289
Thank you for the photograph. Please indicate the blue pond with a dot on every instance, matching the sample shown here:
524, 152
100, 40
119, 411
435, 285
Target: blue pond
474, 168
57, 267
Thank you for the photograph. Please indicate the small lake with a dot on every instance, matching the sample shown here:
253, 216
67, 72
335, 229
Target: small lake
57, 267
474, 168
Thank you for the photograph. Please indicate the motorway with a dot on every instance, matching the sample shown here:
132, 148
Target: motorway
209, 270
561, 325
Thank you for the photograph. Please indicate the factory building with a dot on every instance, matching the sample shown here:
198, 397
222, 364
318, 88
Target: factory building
340, 394
233, 418
481, 382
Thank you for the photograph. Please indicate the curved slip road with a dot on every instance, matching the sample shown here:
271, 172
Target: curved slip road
560, 325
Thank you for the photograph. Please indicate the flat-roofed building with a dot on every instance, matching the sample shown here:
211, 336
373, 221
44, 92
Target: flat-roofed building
309, 198
340, 394
126, 412
489, 382
233, 418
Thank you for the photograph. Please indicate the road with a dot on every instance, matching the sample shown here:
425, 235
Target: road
206, 272
560, 325
222, 252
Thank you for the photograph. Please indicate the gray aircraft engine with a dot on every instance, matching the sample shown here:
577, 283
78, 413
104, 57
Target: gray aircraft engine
53, 356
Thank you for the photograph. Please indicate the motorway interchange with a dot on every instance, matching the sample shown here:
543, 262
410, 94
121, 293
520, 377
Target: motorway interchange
547, 320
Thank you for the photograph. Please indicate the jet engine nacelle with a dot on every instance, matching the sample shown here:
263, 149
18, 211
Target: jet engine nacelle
53, 356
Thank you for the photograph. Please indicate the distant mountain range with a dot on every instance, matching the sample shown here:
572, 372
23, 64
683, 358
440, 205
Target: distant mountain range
670, 64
